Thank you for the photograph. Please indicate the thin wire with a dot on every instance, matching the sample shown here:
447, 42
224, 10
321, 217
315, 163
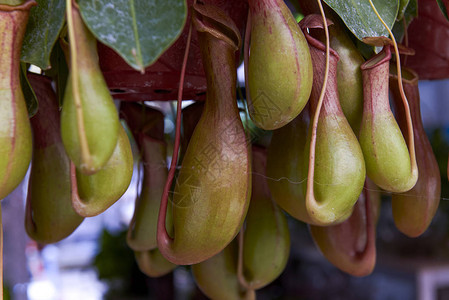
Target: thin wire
302, 181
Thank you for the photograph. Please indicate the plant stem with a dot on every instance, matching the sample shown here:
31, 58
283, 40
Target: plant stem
408, 117
85, 153
310, 195
404, 23
162, 230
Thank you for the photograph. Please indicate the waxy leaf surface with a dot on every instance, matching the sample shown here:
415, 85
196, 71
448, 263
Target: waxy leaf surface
139, 31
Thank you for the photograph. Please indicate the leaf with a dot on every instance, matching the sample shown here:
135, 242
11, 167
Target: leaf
402, 7
360, 18
59, 71
443, 4
366, 50
45, 22
410, 13
28, 93
139, 31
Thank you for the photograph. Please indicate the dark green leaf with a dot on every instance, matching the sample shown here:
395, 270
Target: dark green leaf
410, 13
360, 18
45, 22
59, 71
140, 31
366, 50
28, 93
443, 8
402, 7
114, 259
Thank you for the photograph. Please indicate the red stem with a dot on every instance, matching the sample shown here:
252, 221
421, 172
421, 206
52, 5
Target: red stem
162, 234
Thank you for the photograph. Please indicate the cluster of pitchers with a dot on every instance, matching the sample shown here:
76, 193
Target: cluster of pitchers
335, 143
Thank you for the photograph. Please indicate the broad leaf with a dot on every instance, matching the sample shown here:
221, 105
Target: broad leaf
443, 4
45, 22
28, 93
139, 31
360, 18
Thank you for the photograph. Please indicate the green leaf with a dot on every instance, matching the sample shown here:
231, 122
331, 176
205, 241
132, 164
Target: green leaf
28, 93
366, 50
45, 22
410, 13
139, 31
443, 8
402, 7
59, 71
360, 18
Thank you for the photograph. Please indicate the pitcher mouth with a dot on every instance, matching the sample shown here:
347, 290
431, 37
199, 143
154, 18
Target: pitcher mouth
315, 21
380, 58
208, 19
408, 75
